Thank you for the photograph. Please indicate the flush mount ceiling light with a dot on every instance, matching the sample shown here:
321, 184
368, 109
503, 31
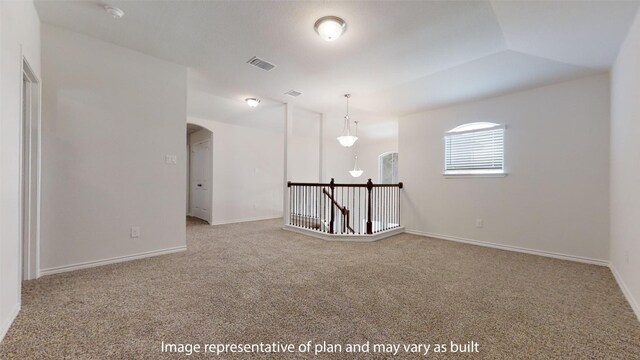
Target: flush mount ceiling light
347, 140
330, 27
252, 102
114, 11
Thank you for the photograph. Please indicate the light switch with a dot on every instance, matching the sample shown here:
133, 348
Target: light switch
135, 232
171, 159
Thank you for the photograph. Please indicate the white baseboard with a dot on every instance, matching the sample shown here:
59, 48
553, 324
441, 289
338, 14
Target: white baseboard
512, 248
114, 260
235, 221
625, 290
4, 327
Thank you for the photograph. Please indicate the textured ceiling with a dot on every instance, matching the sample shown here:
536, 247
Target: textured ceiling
395, 57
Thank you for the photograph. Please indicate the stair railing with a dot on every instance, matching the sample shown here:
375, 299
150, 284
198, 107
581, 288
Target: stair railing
363, 208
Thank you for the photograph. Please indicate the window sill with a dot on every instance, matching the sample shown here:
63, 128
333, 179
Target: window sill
455, 176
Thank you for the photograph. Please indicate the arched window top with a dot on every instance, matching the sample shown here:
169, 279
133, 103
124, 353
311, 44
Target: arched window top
473, 126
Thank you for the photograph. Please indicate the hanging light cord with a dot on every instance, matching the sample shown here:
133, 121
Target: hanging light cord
347, 123
356, 145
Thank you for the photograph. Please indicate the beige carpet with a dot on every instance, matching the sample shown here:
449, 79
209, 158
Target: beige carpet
253, 282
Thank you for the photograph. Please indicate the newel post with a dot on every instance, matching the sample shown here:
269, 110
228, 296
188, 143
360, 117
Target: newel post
332, 186
370, 197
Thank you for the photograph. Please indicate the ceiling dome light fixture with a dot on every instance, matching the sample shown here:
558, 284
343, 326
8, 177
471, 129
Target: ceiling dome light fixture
330, 27
252, 102
114, 11
347, 140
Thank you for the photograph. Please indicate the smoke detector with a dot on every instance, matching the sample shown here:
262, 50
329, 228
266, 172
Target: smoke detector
117, 13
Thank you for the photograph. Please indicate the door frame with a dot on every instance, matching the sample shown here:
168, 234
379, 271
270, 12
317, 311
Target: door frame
30, 243
189, 192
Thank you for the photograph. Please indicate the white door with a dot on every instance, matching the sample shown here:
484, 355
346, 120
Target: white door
201, 164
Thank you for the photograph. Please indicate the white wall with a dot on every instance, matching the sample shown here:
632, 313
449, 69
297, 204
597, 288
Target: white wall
303, 146
19, 33
376, 135
248, 150
625, 167
247, 169
110, 115
555, 198
336, 159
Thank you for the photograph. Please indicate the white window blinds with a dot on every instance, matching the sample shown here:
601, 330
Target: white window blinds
475, 151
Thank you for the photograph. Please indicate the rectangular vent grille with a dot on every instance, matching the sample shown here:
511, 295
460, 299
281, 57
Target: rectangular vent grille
262, 64
293, 93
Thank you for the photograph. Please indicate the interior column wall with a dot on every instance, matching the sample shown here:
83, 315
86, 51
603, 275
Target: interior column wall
625, 167
19, 36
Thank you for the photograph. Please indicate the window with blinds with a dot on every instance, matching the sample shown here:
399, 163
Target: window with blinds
474, 149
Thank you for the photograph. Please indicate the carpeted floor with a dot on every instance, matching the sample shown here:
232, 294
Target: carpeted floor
253, 282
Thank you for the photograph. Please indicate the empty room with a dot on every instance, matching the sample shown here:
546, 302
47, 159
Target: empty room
319, 179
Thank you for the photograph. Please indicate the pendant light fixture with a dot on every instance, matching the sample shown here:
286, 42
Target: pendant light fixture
347, 140
356, 172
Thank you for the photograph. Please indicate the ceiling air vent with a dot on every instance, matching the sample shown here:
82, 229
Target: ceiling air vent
293, 93
262, 64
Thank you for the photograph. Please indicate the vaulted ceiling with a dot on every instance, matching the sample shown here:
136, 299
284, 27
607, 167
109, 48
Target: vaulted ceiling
395, 58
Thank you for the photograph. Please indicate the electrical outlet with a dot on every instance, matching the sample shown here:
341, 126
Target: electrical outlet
135, 232
479, 223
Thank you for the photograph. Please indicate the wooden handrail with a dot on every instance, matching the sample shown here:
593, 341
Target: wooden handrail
343, 210
289, 184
